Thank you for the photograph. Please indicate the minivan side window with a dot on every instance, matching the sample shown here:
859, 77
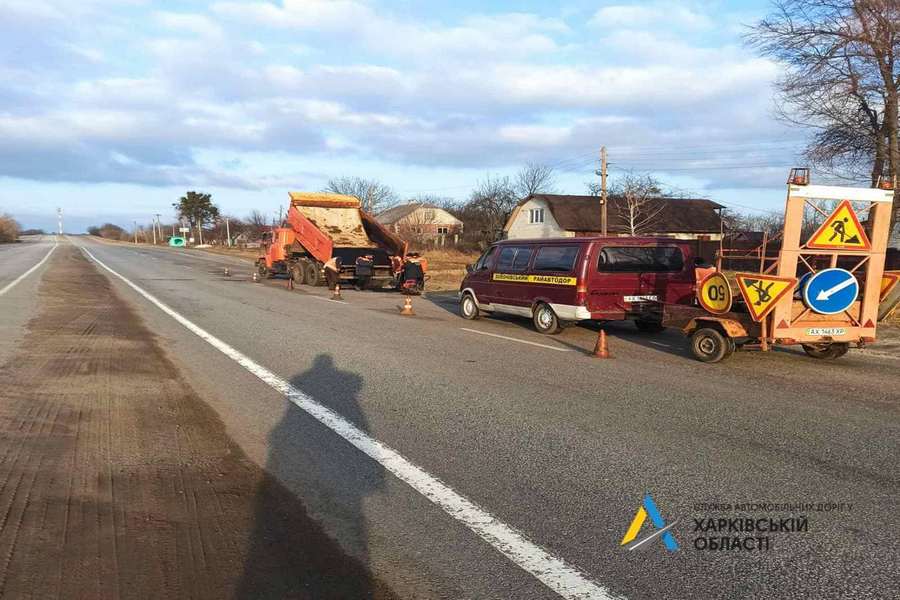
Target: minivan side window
523, 257
640, 259
556, 258
507, 255
485, 259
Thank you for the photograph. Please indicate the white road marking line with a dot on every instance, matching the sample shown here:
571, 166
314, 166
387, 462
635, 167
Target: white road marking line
512, 339
552, 571
13, 283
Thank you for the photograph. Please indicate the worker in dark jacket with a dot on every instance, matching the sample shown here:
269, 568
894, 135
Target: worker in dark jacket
333, 271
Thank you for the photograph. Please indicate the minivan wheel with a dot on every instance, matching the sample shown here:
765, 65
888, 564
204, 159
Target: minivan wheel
468, 308
710, 346
545, 320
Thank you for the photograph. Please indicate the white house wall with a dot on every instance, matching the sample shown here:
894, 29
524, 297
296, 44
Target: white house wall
520, 228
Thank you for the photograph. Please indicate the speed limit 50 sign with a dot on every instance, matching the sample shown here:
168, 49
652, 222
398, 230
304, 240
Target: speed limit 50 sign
714, 293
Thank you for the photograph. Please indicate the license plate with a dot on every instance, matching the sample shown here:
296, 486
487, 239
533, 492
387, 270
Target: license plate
826, 331
641, 298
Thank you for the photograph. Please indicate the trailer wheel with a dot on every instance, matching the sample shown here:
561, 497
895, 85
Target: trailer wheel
710, 345
468, 308
298, 274
826, 351
313, 274
545, 320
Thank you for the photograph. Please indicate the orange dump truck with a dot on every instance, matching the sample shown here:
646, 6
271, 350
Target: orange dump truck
321, 226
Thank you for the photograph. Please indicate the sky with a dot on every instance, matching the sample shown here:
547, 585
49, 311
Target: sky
111, 110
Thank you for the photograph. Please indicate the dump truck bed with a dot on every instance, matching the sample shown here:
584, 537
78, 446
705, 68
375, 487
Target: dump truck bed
336, 216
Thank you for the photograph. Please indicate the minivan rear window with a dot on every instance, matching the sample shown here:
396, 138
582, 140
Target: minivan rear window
640, 259
556, 258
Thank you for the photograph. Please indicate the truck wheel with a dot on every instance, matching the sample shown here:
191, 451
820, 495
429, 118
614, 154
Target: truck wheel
298, 274
709, 345
468, 308
313, 274
649, 325
263, 271
545, 320
826, 351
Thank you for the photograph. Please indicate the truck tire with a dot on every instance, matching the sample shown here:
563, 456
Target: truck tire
313, 274
468, 308
263, 271
710, 345
545, 320
826, 351
298, 274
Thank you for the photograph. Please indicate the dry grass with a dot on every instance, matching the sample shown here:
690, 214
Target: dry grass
446, 268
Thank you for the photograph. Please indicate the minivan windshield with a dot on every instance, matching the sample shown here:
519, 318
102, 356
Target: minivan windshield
640, 259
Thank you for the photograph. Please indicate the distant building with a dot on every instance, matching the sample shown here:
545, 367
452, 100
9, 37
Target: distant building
554, 215
421, 220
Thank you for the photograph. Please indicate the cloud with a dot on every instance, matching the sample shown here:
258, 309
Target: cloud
644, 16
338, 81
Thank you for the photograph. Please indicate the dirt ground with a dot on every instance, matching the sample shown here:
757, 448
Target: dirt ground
118, 481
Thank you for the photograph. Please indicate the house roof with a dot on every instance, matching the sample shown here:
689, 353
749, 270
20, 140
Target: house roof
677, 215
396, 213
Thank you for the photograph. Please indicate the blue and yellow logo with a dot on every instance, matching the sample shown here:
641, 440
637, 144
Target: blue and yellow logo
662, 530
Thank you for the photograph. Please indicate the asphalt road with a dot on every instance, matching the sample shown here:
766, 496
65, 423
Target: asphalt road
551, 442
16, 305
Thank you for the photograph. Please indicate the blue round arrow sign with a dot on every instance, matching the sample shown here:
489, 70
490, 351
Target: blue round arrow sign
831, 291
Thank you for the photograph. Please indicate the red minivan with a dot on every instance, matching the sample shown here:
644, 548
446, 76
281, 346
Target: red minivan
559, 281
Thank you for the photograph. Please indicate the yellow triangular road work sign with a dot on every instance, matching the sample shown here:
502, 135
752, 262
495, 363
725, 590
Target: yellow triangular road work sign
762, 292
888, 281
840, 231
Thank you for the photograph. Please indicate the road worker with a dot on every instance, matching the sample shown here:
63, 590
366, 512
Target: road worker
332, 271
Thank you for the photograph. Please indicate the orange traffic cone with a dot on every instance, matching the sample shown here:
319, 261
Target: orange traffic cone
336, 295
600, 349
227, 272
255, 277
407, 307
290, 283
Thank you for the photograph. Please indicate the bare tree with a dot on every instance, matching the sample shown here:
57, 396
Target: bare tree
634, 200
257, 223
534, 178
493, 199
373, 194
843, 78
9, 229
593, 188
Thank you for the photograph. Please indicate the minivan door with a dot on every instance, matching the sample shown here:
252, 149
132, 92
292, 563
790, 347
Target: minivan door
665, 272
479, 279
510, 276
614, 280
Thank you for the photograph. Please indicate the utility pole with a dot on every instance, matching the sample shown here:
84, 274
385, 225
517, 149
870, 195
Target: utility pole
153, 224
59, 218
135, 232
159, 226
227, 232
603, 196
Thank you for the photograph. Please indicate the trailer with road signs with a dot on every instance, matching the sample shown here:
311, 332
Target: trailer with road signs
825, 291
